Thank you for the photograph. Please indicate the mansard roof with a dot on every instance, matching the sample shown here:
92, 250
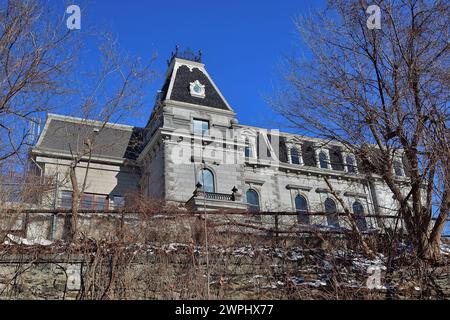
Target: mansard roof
178, 82
67, 135
308, 148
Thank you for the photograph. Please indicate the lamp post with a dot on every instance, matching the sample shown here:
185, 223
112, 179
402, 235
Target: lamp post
205, 215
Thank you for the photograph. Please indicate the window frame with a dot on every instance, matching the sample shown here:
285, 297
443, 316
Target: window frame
332, 216
326, 160
248, 146
302, 215
258, 199
202, 182
354, 164
248, 152
202, 132
397, 165
360, 216
63, 199
83, 200
94, 202
298, 156
105, 200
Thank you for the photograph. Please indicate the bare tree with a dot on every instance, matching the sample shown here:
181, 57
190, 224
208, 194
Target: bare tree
115, 92
384, 95
36, 55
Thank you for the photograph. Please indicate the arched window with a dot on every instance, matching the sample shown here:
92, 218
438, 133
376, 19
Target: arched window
252, 200
206, 178
301, 206
358, 210
331, 211
351, 168
398, 169
323, 160
295, 156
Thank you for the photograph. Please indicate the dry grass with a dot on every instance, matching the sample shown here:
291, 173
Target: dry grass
166, 259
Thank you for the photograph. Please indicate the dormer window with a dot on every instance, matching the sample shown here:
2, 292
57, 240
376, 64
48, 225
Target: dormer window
295, 156
248, 152
294, 152
197, 89
351, 164
249, 148
323, 160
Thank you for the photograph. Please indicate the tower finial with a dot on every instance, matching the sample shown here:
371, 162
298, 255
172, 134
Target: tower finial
185, 54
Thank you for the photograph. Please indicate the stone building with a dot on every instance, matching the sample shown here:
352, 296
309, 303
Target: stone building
193, 151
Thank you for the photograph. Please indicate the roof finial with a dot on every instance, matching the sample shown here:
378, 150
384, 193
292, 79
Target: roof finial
186, 54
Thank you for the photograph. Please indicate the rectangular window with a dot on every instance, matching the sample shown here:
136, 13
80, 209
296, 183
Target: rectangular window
201, 127
248, 152
66, 199
101, 203
94, 202
87, 202
295, 156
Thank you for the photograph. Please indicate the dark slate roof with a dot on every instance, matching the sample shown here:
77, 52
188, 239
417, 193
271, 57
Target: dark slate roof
309, 155
135, 144
112, 142
181, 89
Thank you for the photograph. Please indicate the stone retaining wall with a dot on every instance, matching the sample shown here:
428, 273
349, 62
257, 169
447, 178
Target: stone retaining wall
178, 271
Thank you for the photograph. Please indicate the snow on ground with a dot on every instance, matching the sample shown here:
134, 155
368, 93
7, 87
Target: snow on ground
298, 281
28, 242
361, 263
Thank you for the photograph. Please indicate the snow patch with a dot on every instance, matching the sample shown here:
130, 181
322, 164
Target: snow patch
28, 242
362, 263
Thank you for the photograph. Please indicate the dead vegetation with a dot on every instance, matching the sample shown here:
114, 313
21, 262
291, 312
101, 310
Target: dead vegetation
383, 95
157, 250
162, 255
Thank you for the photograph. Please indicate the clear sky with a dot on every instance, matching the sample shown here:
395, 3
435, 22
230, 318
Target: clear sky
243, 42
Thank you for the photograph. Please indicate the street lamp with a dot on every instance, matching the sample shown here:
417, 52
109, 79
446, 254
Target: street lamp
204, 145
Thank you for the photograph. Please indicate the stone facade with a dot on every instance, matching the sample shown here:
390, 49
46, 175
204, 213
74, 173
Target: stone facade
170, 272
245, 158
193, 131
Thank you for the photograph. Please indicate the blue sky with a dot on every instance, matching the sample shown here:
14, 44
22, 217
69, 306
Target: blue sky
243, 42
